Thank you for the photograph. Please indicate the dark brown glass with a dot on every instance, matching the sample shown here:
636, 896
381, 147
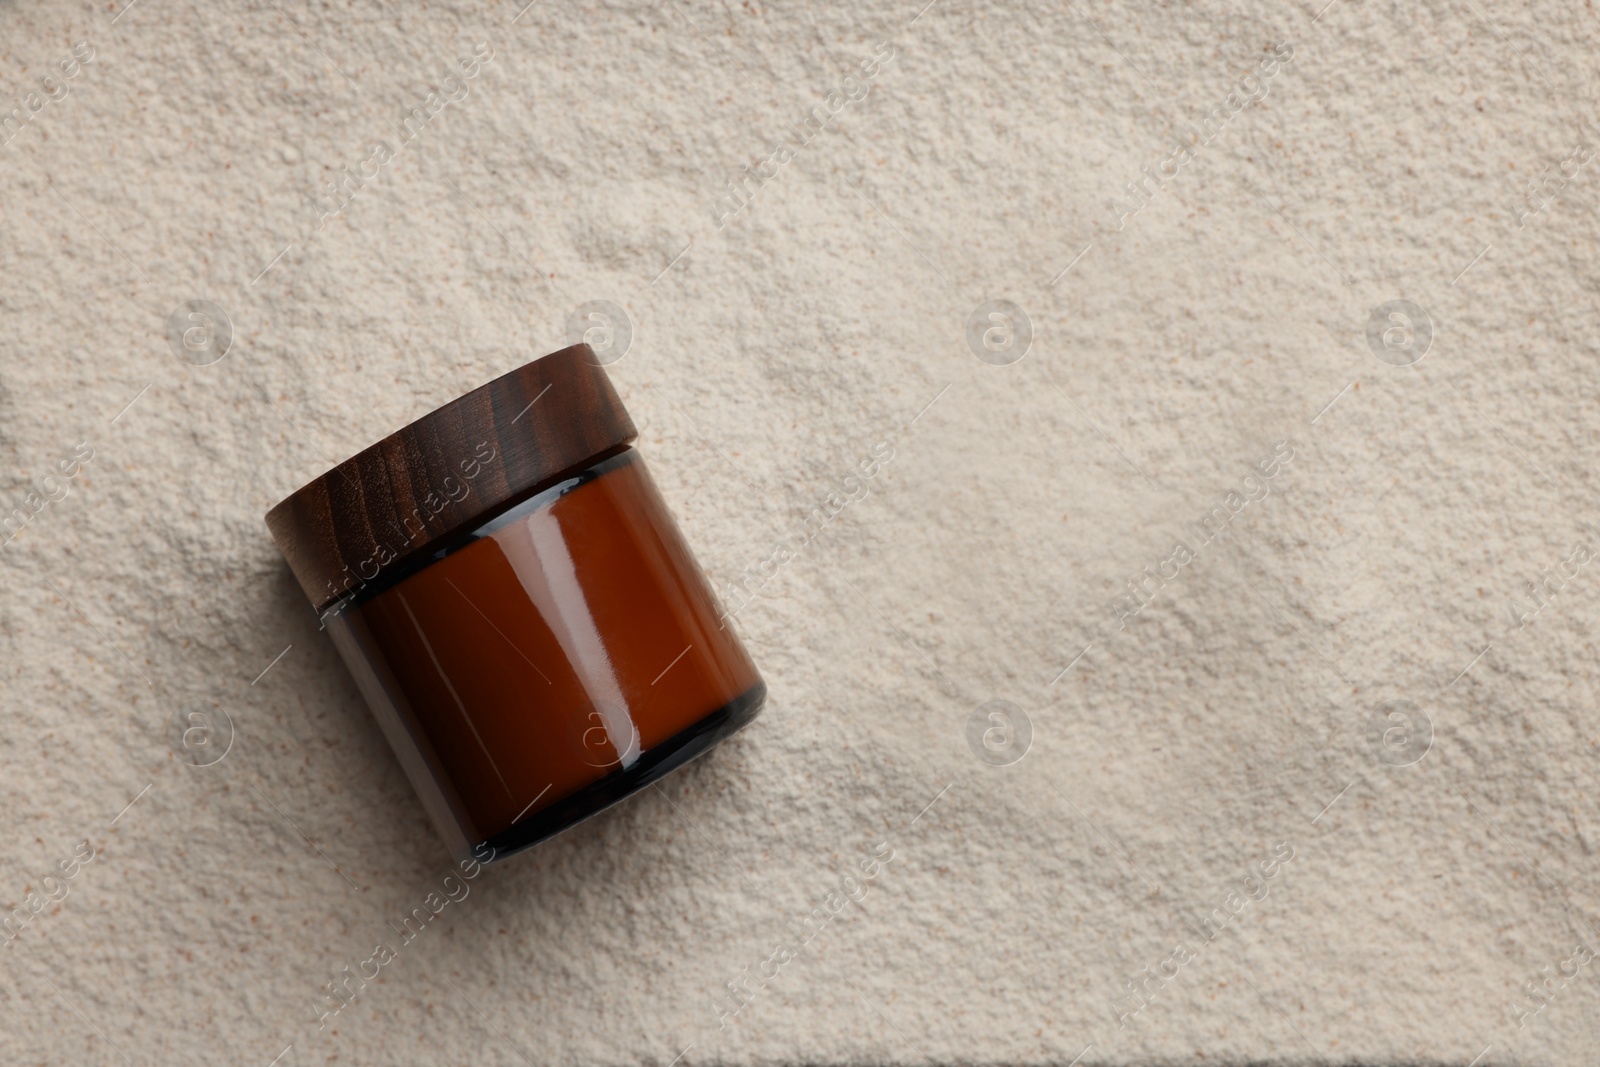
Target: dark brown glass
556, 658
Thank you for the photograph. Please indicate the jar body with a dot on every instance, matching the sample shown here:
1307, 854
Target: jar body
562, 655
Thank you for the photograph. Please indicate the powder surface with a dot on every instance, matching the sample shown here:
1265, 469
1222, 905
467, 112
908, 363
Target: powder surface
1371, 673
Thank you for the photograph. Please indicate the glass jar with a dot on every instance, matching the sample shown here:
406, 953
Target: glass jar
527, 623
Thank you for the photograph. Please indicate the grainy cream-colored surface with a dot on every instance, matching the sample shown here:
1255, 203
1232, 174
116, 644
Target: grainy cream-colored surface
1441, 861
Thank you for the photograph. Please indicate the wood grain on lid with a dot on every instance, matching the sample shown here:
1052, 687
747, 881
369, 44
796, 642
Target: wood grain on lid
404, 496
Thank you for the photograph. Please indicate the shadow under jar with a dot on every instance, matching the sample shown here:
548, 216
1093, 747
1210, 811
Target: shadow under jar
518, 607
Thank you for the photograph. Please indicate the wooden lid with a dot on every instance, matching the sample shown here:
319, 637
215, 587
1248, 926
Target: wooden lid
393, 503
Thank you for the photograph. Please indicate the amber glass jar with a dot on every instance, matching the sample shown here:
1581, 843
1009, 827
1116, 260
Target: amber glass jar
518, 607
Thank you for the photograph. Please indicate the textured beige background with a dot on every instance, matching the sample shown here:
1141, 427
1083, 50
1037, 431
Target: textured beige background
1387, 161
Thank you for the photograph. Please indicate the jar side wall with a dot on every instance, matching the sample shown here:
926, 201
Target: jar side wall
491, 688
389, 706
703, 660
553, 653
